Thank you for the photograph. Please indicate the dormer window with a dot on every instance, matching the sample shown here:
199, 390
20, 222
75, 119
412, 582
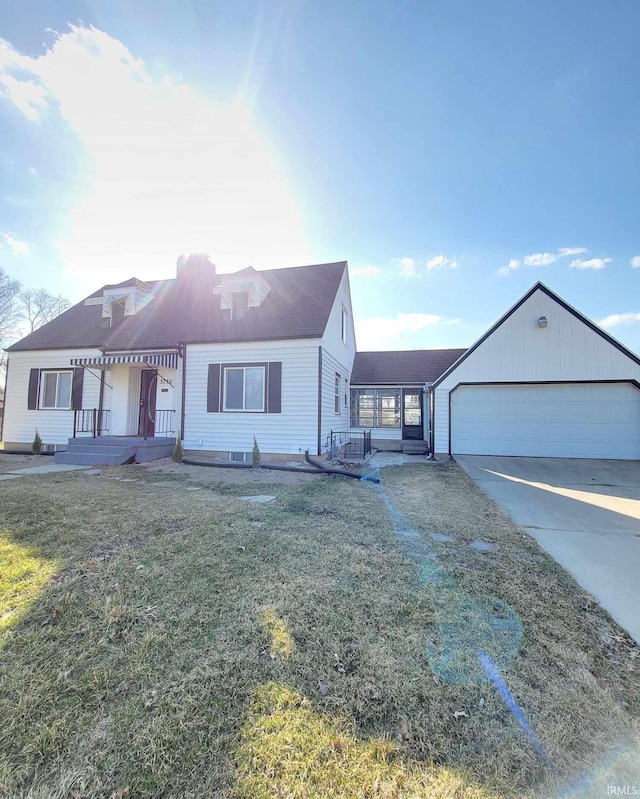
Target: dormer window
240, 305
123, 299
117, 312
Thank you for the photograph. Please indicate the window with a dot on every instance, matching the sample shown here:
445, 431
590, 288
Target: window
375, 407
55, 390
240, 305
345, 317
336, 398
244, 388
346, 393
117, 312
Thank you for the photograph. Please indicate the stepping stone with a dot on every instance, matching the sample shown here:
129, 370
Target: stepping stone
258, 498
93, 472
482, 546
441, 537
193, 488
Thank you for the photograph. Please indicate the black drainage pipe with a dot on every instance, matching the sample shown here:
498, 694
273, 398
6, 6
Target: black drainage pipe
344, 473
271, 466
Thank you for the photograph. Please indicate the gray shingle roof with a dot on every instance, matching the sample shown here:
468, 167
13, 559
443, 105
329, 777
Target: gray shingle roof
402, 367
298, 306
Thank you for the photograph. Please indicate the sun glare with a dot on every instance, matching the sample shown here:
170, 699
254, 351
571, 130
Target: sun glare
166, 169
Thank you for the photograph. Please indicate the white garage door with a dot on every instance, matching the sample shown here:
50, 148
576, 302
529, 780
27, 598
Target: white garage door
577, 420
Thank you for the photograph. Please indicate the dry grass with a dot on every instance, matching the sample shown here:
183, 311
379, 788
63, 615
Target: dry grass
191, 645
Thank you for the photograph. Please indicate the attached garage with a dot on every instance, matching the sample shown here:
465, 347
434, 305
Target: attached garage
564, 420
544, 381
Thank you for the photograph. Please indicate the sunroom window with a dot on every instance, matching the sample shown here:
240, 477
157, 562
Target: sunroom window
55, 390
375, 407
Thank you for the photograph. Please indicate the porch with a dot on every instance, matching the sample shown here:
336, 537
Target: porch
107, 450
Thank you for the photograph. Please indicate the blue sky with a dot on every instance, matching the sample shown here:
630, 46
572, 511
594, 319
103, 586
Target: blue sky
454, 152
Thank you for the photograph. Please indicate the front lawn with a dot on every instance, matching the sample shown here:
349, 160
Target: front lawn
165, 642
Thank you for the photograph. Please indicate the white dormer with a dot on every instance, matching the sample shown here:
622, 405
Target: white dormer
240, 292
125, 299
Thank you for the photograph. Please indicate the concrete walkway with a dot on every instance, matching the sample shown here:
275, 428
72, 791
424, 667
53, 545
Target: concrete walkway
49, 468
585, 513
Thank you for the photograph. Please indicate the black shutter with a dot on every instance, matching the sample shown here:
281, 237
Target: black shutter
274, 387
32, 396
76, 389
213, 388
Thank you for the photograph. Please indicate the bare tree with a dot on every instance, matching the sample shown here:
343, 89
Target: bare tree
10, 312
39, 307
10, 315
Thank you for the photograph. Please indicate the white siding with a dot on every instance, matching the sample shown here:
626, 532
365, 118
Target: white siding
124, 401
291, 431
332, 339
169, 393
55, 427
338, 422
125, 383
337, 358
519, 350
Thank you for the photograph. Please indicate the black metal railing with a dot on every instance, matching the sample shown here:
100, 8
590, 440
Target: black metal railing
90, 420
164, 422
350, 445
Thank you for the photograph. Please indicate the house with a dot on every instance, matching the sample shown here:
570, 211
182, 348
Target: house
218, 359
214, 359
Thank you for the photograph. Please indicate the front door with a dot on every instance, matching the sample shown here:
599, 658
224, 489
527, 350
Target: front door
146, 420
412, 413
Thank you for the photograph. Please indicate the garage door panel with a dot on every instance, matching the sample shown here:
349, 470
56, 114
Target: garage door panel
577, 420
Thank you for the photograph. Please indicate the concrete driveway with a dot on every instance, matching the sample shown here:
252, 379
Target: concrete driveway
585, 513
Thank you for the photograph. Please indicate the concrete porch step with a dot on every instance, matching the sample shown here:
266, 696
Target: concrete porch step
122, 441
411, 447
112, 449
96, 457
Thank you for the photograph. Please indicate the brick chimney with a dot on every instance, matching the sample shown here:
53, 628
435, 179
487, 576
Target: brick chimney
197, 271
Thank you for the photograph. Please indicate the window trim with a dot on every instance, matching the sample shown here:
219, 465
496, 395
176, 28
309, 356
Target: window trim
43, 373
376, 393
344, 318
243, 367
337, 387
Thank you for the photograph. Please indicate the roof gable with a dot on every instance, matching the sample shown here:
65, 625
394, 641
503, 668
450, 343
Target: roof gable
539, 287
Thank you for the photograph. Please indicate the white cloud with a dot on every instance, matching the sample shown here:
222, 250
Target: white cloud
440, 261
635, 262
17, 246
563, 252
407, 267
365, 271
540, 259
592, 263
378, 332
27, 96
506, 270
170, 171
617, 319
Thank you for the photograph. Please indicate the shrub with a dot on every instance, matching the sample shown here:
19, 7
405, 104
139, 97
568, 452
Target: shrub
36, 446
178, 453
255, 454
